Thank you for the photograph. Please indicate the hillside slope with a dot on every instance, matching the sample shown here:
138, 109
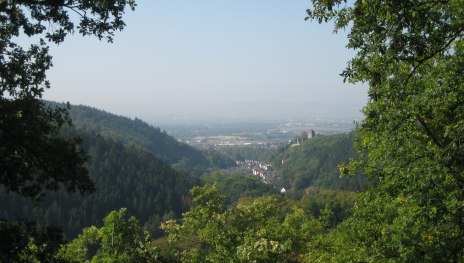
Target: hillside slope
315, 163
136, 131
125, 176
131, 163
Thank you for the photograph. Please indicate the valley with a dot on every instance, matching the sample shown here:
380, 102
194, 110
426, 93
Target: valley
148, 171
267, 134
231, 131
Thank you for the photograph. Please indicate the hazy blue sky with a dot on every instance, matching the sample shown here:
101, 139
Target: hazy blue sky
237, 58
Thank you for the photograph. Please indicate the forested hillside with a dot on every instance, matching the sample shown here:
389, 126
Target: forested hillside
124, 175
153, 139
315, 162
131, 164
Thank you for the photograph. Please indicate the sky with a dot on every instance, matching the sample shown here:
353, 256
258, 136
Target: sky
237, 59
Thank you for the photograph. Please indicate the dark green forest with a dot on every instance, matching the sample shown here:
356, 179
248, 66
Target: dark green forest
131, 164
315, 163
125, 176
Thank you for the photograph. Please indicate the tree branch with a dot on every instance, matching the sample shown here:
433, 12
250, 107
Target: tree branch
429, 132
423, 60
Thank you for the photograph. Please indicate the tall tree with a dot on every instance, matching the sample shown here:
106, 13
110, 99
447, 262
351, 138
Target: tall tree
120, 239
411, 53
33, 155
265, 230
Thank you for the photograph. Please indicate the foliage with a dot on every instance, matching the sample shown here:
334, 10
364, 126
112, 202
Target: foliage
388, 229
333, 206
237, 186
411, 53
120, 239
22, 242
34, 158
315, 163
265, 230
217, 159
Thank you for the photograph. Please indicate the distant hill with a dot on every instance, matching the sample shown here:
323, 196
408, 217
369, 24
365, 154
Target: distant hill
314, 163
134, 131
153, 139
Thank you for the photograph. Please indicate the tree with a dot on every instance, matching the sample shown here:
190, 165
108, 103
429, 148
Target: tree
34, 157
411, 53
265, 230
24, 242
120, 239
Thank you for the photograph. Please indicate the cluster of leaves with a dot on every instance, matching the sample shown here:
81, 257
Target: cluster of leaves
23, 242
332, 205
387, 229
270, 228
266, 229
120, 239
33, 156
